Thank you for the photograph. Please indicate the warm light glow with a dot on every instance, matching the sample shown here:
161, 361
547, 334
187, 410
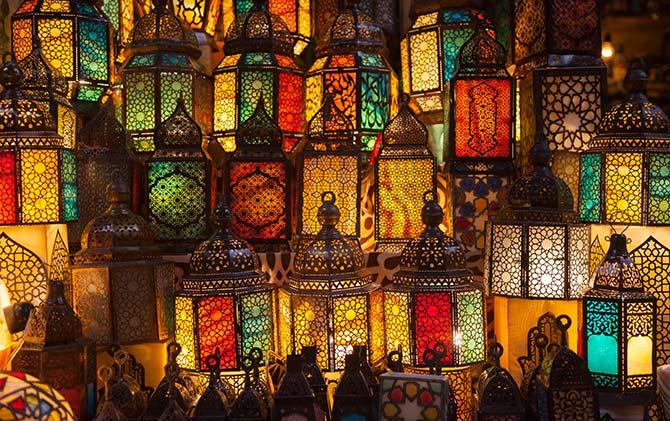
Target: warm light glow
607, 50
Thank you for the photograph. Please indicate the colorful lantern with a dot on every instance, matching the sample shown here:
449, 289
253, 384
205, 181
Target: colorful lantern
330, 300
403, 167
75, 39
201, 16
351, 68
353, 399
498, 394
258, 64
161, 69
619, 325
294, 398
18, 388
259, 184
328, 161
434, 299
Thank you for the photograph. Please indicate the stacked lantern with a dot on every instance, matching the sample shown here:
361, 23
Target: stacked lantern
383, 12
351, 68
201, 16
330, 300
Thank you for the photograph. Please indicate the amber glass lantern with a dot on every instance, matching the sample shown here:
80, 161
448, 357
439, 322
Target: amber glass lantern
434, 299
351, 68
403, 166
160, 70
75, 39
330, 300
258, 64
55, 351
226, 303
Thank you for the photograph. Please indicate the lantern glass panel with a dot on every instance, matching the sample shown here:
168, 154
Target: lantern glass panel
470, 341
639, 332
216, 329
397, 316
350, 325
602, 325
504, 270
185, 322
39, 173
310, 318
623, 187
658, 207
257, 319
92, 302
590, 181
433, 319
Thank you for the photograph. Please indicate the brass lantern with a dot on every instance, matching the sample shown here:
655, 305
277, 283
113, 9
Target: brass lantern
330, 300
498, 395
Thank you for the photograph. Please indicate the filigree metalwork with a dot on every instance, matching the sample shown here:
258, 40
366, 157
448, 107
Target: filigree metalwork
22, 272
499, 397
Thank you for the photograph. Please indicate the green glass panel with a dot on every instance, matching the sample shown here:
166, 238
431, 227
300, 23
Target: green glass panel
374, 100
452, 40
143, 60
69, 185
256, 321
372, 60
590, 181
143, 143
243, 6
93, 51
659, 188
111, 10
258, 59
173, 86
471, 326
368, 142
139, 101
175, 60
86, 9
252, 86
601, 322
89, 93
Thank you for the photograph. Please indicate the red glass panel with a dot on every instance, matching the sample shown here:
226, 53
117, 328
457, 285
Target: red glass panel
7, 188
285, 61
290, 102
433, 323
342, 61
216, 328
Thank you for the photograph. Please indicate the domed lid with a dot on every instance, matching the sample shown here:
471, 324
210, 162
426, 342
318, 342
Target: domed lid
213, 403
40, 80
260, 131
567, 370
258, 31
404, 132
352, 31
117, 234
330, 130
104, 130
178, 132
617, 270
482, 54
53, 322
294, 384
161, 31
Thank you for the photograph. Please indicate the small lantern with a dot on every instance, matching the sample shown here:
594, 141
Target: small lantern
202, 16
75, 39
482, 95
404, 162
226, 303
498, 393
161, 69
316, 380
179, 182
353, 399
214, 403
434, 299
294, 398
328, 161
122, 290
624, 173
619, 325
54, 350
175, 390
351, 67
23, 397
330, 300
259, 184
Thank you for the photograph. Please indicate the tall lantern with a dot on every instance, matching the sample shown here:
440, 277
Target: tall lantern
258, 64
328, 162
226, 303
179, 185
351, 68
259, 184
403, 167
330, 300
75, 39
619, 325
160, 70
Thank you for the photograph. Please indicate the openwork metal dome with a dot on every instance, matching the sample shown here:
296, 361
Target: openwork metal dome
617, 270
499, 395
330, 129
161, 30
352, 30
54, 321
258, 133
104, 130
258, 31
482, 53
40, 80
404, 132
179, 132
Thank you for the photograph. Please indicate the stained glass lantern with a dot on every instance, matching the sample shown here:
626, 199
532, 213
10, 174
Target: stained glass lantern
122, 290
75, 39
625, 173
54, 350
330, 300
619, 325
328, 161
179, 183
482, 95
201, 16
434, 299
351, 67
259, 184
403, 167
16, 389
258, 64
226, 303
162, 67
498, 395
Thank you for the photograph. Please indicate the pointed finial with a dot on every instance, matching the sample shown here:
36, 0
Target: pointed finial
496, 351
540, 155
160, 4
222, 216
117, 191
328, 214
432, 213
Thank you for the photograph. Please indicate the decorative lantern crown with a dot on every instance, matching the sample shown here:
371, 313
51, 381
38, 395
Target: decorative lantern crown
104, 130
330, 129
352, 30
498, 393
617, 270
405, 131
258, 31
482, 54
54, 321
259, 131
161, 30
179, 131
39, 78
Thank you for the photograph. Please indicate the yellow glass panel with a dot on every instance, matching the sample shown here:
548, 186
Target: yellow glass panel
429, 103
640, 349
67, 126
313, 96
310, 318
184, 332
228, 143
228, 14
58, 6
404, 60
425, 74
304, 18
623, 187
284, 323
40, 198
229, 61
425, 20
377, 339
396, 314
395, 94
127, 19
224, 101
22, 35
56, 36
350, 326
318, 64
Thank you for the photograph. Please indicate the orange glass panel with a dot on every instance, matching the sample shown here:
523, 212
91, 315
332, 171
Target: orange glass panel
216, 329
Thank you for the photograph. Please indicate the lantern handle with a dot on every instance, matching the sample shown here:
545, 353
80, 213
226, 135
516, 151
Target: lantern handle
105, 374
496, 350
394, 360
213, 363
563, 323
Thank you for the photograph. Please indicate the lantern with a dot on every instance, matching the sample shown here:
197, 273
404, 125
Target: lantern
405, 396
121, 15
383, 12
259, 184
161, 69
330, 300
214, 403
294, 398
201, 16
619, 319
351, 67
17, 389
75, 40
352, 399
258, 64
226, 303
482, 95
251, 404
434, 299
179, 182
498, 394
54, 350
122, 290
175, 391
316, 380
403, 167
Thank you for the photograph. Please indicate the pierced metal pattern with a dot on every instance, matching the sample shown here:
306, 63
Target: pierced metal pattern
59, 268
22, 272
498, 395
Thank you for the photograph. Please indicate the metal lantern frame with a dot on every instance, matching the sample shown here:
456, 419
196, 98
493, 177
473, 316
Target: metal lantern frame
498, 395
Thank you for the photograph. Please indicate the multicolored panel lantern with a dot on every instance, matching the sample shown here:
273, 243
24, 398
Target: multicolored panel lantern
75, 39
351, 68
403, 166
160, 70
406, 397
201, 15
434, 299
383, 12
179, 182
16, 389
258, 64
624, 177
482, 95
330, 300
620, 329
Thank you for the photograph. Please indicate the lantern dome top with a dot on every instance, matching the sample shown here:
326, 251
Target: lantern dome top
54, 322
259, 130
405, 130
39, 78
104, 130
617, 270
352, 30
179, 131
330, 129
498, 392
160, 30
482, 54
259, 31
